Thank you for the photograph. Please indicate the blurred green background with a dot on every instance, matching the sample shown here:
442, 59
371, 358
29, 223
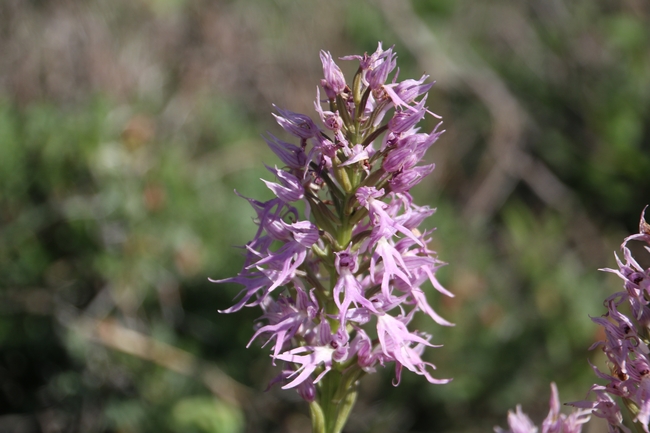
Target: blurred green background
125, 125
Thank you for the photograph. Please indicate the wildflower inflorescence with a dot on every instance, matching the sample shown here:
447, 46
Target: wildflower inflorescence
340, 283
626, 326
555, 422
626, 346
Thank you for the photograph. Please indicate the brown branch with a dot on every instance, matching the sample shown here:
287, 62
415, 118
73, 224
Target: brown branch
111, 334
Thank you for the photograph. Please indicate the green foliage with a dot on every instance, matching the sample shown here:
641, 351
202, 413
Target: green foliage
116, 201
205, 415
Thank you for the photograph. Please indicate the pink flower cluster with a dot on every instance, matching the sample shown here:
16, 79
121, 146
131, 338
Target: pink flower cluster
555, 422
627, 330
340, 282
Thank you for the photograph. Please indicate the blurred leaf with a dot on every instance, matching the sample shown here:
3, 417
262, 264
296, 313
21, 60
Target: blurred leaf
206, 415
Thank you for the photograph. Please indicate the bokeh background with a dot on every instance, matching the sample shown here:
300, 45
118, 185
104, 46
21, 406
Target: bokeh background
125, 126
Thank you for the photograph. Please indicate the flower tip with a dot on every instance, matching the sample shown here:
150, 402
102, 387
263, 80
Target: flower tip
554, 402
644, 227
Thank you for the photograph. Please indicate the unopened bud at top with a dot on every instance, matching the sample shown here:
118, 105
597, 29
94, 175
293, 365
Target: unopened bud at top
334, 81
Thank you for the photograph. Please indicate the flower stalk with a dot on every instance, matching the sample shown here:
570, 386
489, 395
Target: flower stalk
337, 395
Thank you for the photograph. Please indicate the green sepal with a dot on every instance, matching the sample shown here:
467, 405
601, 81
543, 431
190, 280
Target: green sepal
374, 177
358, 215
335, 191
323, 216
356, 87
326, 212
373, 136
356, 240
373, 116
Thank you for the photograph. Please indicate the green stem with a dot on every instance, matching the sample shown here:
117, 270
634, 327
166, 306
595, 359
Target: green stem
345, 408
317, 418
337, 394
